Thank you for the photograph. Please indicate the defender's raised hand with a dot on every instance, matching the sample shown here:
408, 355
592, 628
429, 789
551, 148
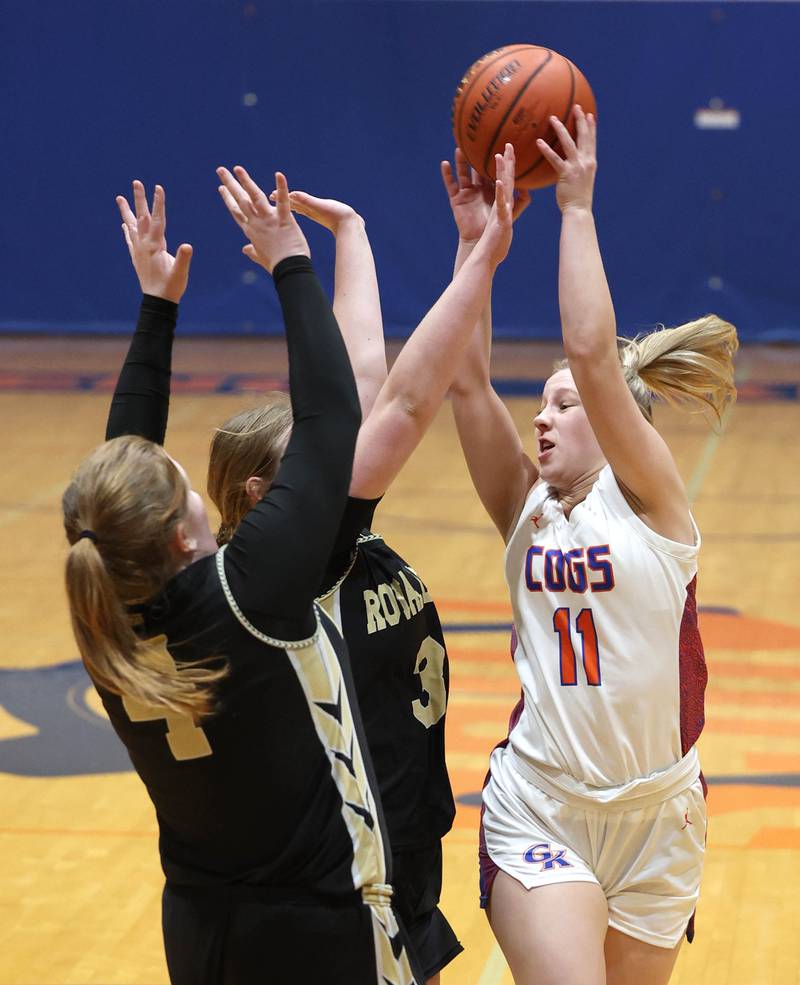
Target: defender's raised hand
576, 169
160, 273
471, 197
325, 211
496, 236
272, 230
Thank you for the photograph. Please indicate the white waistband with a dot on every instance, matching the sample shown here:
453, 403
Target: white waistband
639, 792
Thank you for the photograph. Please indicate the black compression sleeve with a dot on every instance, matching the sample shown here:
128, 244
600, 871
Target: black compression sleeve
277, 557
140, 404
357, 516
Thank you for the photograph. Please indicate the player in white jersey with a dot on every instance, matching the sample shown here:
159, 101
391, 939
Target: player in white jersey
594, 818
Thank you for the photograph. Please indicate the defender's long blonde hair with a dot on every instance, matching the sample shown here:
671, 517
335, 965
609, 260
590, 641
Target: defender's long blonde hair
687, 366
131, 496
251, 443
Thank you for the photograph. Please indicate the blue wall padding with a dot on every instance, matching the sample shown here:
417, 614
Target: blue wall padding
353, 101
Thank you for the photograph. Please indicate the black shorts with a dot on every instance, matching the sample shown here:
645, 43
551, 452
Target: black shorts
417, 881
226, 937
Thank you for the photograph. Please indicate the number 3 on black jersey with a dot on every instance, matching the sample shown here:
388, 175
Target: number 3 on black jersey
430, 668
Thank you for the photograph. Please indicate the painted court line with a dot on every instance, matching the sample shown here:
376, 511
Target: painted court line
698, 477
495, 967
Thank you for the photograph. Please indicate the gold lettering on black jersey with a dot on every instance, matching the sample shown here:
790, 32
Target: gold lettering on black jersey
391, 601
426, 595
185, 738
415, 599
375, 620
391, 610
397, 588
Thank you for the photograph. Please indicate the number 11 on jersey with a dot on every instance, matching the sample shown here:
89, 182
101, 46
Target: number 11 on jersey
562, 624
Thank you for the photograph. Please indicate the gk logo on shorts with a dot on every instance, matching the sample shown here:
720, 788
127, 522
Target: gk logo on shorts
542, 855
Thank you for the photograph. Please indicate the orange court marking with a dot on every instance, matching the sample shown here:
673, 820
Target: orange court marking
769, 762
731, 632
774, 672
768, 698
739, 726
776, 838
726, 798
487, 685
495, 655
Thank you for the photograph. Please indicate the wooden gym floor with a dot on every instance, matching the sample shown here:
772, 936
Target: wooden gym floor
79, 897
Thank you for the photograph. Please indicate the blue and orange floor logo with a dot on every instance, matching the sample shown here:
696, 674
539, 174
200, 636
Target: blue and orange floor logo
52, 723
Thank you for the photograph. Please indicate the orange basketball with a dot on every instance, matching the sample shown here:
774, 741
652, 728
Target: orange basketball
508, 96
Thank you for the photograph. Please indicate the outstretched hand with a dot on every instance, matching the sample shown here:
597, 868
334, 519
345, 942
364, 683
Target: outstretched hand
576, 169
160, 273
326, 211
471, 197
272, 230
496, 236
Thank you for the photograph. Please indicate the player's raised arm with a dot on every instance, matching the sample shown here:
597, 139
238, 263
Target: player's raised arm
277, 556
422, 373
356, 301
638, 455
140, 404
501, 471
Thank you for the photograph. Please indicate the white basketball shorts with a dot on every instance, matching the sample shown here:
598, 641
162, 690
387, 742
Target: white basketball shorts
647, 860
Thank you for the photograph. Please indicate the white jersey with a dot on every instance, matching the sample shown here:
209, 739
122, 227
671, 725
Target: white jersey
607, 648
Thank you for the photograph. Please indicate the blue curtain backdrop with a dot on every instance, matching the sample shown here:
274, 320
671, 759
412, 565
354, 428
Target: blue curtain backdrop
352, 100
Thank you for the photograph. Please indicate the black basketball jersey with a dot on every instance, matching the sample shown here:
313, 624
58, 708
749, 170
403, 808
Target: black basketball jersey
399, 663
272, 789
393, 632
273, 794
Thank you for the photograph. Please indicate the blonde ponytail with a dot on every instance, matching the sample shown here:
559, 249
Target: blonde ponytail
129, 495
691, 365
687, 366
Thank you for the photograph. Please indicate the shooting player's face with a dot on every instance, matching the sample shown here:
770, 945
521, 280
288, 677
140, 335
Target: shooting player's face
566, 445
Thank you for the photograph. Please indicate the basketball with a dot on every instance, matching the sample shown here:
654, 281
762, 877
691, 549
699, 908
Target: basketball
508, 96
